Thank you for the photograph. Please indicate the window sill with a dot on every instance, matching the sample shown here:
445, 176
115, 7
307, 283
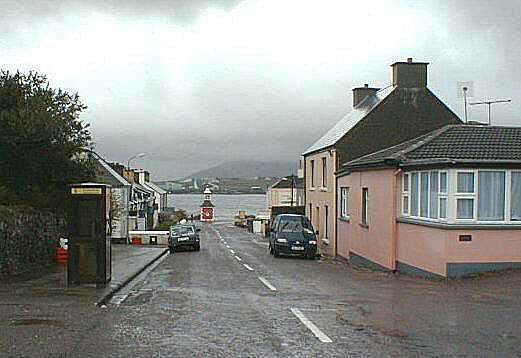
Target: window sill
325, 241
459, 226
345, 218
323, 189
312, 189
365, 226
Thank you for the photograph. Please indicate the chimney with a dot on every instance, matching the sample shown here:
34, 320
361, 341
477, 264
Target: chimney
129, 175
119, 168
410, 74
359, 93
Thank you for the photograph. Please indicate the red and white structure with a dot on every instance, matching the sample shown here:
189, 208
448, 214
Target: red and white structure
207, 208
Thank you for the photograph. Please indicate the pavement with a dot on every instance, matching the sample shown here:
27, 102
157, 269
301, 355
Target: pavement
128, 261
31, 302
233, 299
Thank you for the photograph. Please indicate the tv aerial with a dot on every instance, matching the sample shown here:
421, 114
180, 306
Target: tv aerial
489, 103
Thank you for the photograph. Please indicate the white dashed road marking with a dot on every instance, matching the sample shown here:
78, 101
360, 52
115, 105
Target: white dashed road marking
248, 267
233, 252
238, 258
311, 326
227, 246
267, 284
118, 299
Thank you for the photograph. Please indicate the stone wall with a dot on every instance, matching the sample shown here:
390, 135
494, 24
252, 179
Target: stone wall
28, 239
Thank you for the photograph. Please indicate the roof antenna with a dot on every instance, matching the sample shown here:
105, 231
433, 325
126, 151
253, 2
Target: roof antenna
489, 103
465, 90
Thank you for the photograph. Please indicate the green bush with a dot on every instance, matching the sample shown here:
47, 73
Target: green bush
174, 219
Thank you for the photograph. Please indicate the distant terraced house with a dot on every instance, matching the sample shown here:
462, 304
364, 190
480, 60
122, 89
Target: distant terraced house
380, 118
121, 192
160, 195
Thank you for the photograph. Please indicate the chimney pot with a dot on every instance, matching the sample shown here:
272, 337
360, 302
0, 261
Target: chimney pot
366, 85
409, 59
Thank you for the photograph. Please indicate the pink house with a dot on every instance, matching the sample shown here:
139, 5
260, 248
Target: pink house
445, 204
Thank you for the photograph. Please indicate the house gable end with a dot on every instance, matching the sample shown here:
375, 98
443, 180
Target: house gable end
404, 115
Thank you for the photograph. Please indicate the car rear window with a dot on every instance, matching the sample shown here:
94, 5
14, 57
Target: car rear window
182, 230
295, 224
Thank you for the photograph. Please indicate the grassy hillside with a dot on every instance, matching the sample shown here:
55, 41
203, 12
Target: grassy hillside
248, 169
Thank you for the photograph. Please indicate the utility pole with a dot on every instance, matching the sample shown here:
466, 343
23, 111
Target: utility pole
292, 185
465, 89
488, 103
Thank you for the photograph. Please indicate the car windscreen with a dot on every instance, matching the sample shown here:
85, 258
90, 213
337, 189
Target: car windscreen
296, 224
182, 230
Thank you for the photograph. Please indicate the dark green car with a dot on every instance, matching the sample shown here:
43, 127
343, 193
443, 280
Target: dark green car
184, 236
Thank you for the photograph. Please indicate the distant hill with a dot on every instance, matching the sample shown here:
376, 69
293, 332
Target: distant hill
247, 169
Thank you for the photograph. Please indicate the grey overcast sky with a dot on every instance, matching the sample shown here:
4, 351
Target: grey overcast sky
197, 82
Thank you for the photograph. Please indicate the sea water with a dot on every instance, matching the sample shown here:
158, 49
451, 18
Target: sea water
226, 206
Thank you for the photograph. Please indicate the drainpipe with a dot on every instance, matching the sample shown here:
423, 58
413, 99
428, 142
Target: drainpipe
394, 232
335, 188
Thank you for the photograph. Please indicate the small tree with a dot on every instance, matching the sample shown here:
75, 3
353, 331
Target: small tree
173, 219
42, 141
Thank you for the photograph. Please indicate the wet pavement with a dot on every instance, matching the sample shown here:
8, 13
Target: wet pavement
233, 299
40, 316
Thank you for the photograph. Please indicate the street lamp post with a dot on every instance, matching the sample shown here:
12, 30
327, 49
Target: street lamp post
140, 155
292, 187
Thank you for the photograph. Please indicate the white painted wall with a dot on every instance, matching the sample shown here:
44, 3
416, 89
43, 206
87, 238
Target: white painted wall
120, 220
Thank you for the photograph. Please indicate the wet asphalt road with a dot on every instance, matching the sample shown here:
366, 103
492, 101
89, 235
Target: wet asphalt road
210, 304
213, 304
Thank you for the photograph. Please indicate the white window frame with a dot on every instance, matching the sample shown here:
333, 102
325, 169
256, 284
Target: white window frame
365, 208
420, 196
344, 203
324, 173
418, 203
406, 193
508, 196
473, 195
452, 195
443, 195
